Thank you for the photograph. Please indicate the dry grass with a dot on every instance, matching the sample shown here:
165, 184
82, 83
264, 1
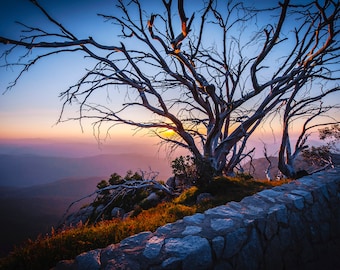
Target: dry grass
46, 251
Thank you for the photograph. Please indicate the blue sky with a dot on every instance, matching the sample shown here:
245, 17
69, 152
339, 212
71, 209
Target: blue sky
32, 107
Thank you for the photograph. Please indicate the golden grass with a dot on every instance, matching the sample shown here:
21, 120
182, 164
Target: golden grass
45, 252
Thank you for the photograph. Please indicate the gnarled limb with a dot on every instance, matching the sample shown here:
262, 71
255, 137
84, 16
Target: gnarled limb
113, 193
212, 78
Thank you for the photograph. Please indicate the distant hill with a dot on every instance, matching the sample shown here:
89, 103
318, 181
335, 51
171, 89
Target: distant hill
36, 190
28, 170
28, 212
259, 165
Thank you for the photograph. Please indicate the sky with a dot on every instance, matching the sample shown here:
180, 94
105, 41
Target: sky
31, 109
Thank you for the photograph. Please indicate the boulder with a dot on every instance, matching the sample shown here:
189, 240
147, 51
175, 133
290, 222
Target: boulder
171, 182
117, 212
152, 197
79, 217
194, 251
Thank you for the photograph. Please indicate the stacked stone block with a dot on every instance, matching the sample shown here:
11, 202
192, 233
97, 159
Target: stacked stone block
293, 226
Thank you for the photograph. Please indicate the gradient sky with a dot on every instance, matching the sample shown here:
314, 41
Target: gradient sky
32, 107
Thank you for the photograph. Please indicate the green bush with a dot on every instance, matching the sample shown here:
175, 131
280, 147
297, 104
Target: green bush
198, 172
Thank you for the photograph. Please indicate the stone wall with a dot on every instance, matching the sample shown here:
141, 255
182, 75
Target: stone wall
293, 226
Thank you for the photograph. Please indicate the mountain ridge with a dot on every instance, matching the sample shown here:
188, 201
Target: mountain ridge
29, 170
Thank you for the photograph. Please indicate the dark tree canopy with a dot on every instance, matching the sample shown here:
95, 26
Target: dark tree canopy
212, 72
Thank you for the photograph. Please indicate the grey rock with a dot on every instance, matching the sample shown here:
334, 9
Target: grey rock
222, 225
194, 219
332, 189
281, 213
296, 223
269, 194
256, 204
135, 240
109, 253
251, 253
298, 201
99, 209
152, 197
89, 260
223, 211
305, 194
234, 242
117, 212
166, 229
193, 250
171, 182
235, 206
325, 232
79, 217
261, 224
306, 181
273, 255
314, 230
325, 192
153, 247
283, 228
128, 214
271, 226
190, 230
252, 210
218, 246
307, 252
171, 263
285, 237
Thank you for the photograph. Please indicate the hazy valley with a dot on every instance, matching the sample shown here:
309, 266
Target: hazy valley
39, 181
36, 190
28, 212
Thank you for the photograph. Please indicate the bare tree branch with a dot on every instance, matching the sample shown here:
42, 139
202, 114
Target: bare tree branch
212, 78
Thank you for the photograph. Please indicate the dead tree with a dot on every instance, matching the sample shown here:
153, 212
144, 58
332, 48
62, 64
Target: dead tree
321, 157
267, 170
308, 111
305, 104
211, 76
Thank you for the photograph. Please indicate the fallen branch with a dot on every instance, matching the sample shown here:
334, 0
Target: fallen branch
120, 191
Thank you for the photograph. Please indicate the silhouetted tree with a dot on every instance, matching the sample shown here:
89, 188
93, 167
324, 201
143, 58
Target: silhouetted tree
211, 75
322, 156
305, 110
